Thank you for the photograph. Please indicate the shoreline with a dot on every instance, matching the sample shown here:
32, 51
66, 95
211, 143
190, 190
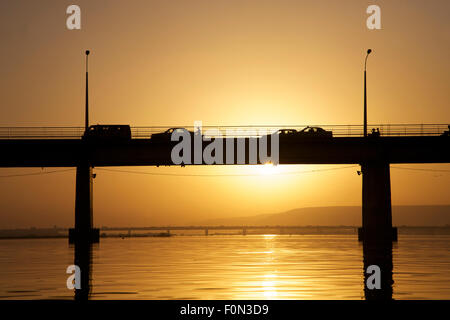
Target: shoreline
277, 230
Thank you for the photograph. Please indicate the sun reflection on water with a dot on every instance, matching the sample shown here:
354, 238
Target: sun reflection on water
270, 286
247, 267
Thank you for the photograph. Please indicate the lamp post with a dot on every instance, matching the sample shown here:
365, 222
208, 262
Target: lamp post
87, 99
365, 94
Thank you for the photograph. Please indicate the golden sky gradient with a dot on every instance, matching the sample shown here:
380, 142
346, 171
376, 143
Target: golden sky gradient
279, 62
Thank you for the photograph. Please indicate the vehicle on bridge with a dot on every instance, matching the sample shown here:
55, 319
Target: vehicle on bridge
287, 133
314, 132
166, 135
308, 132
108, 132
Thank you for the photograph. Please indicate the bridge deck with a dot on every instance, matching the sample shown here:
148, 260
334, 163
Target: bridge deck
145, 152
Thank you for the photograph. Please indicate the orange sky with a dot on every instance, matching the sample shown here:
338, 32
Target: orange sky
224, 63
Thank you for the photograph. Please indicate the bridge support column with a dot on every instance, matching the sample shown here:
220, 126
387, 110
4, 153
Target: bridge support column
376, 204
83, 231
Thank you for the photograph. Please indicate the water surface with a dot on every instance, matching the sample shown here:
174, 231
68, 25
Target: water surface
224, 267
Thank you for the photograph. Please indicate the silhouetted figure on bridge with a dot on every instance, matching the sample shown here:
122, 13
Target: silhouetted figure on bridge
447, 133
375, 132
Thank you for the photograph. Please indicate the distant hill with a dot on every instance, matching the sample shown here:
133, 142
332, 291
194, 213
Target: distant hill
342, 216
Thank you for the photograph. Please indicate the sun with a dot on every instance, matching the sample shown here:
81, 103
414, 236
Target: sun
268, 169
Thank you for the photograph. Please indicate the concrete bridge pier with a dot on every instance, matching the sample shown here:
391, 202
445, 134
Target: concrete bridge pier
376, 204
83, 231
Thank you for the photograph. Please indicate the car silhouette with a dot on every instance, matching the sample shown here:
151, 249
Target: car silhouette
166, 135
287, 132
308, 132
315, 132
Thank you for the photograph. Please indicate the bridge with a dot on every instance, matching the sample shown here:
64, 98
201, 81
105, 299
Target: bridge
342, 144
65, 147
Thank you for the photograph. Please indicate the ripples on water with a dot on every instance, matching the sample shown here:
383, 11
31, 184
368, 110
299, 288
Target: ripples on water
223, 267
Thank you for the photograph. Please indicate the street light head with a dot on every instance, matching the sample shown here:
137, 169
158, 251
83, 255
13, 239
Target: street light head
87, 52
369, 51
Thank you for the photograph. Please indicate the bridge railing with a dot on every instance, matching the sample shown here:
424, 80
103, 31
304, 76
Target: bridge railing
337, 130
230, 131
41, 132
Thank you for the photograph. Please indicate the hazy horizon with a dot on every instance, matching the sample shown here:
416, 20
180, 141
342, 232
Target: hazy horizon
436, 216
